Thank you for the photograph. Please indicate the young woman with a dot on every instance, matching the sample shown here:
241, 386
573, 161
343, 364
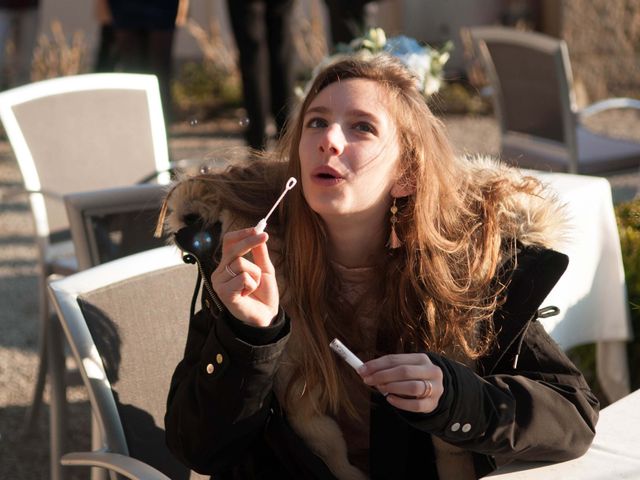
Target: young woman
429, 267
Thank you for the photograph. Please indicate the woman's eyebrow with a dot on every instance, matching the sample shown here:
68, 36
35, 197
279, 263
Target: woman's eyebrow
318, 109
362, 113
352, 113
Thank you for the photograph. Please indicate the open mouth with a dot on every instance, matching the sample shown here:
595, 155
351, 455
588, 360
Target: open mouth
327, 178
326, 174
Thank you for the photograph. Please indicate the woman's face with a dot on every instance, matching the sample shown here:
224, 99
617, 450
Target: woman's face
349, 152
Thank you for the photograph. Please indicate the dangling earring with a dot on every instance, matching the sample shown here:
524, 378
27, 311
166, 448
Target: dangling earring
394, 242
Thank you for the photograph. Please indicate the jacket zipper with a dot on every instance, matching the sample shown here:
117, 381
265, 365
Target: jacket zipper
209, 288
544, 312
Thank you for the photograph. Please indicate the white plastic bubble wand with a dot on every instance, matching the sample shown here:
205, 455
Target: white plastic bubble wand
262, 224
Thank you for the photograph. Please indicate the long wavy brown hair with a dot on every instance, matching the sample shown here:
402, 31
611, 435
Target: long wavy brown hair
439, 290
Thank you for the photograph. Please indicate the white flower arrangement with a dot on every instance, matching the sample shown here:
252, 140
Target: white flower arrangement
426, 63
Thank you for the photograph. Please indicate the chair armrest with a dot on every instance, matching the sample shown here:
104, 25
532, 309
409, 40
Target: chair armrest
608, 104
127, 466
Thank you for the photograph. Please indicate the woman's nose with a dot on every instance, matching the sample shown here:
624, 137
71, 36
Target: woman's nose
333, 140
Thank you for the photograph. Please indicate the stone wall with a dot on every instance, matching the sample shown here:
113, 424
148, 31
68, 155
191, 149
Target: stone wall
603, 37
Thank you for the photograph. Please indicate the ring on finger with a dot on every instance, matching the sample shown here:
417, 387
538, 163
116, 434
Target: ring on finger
229, 271
428, 388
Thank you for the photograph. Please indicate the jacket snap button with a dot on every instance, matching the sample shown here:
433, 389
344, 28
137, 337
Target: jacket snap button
455, 427
210, 368
466, 427
219, 358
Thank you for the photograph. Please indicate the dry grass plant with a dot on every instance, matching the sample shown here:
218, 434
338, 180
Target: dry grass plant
56, 57
215, 51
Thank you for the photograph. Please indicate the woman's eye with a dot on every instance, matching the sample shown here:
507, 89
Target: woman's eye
316, 123
364, 127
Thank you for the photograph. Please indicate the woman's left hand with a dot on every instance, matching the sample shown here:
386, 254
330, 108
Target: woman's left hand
412, 381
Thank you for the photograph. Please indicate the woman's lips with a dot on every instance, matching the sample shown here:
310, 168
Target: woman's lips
326, 176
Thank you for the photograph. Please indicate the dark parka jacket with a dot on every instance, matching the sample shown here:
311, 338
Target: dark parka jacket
523, 400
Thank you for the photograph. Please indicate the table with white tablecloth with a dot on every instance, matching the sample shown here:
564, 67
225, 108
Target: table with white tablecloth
591, 294
613, 455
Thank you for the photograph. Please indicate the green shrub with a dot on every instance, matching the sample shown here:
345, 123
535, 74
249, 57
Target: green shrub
458, 98
584, 356
628, 217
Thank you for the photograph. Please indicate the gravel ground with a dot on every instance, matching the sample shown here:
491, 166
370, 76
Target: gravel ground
27, 457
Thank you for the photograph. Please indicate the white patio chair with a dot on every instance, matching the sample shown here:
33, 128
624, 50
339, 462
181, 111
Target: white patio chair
104, 312
540, 124
112, 223
72, 134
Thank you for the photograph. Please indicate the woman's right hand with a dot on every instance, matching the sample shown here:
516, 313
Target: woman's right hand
248, 289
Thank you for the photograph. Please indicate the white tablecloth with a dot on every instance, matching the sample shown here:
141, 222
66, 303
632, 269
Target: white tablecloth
591, 294
614, 454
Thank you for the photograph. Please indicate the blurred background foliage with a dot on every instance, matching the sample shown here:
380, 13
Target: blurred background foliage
584, 356
628, 217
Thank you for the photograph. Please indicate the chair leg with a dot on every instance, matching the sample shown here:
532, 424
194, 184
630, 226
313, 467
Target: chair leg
43, 340
31, 418
57, 417
97, 444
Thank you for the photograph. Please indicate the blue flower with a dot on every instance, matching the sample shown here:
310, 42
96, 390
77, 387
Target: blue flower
403, 45
425, 62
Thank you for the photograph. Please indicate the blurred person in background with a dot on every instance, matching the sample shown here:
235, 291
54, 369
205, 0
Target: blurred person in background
106, 58
347, 19
18, 31
143, 31
262, 30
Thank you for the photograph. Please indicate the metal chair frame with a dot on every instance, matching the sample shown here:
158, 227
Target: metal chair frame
538, 152
113, 451
56, 255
